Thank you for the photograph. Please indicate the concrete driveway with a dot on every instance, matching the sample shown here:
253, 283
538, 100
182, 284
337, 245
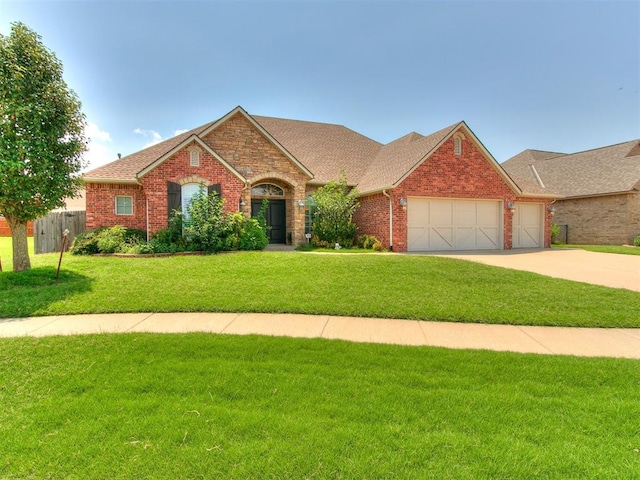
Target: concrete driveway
608, 269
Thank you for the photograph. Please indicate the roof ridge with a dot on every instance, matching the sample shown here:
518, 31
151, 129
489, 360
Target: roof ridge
602, 148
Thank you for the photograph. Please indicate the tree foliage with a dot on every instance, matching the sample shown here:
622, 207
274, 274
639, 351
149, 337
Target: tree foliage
41, 135
335, 205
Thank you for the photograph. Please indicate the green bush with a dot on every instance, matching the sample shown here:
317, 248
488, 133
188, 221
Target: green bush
206, 227
86, 243
636, 241
170, 239
555, 232
116, 239
335, 205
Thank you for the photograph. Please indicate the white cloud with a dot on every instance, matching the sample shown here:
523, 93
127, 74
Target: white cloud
178, 132
152, 134
97, 153
93, 132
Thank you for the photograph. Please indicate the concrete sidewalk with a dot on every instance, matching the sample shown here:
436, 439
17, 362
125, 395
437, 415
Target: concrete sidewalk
588, 342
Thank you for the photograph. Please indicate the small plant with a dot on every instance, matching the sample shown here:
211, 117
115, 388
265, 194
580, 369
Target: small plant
555, 233
379, 247
367, 241
636, 241
170, 239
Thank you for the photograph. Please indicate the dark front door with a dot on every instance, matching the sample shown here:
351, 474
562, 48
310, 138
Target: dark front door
276, 219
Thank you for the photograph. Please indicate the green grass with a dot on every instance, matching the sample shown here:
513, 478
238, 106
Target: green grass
150, 406
621, 249
394, 286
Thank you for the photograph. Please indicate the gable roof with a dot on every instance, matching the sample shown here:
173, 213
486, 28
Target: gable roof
601, 171
126, 169
321, 150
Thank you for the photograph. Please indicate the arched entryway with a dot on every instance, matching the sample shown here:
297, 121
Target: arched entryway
276, 212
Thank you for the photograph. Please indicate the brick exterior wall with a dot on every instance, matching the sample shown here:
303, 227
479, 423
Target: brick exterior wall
442, 175
607, 220
5, 231
101, 206
372, 217
177, 169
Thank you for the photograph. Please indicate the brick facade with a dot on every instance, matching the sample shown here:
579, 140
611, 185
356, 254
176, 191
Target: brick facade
242, 146
606, 220
251, 155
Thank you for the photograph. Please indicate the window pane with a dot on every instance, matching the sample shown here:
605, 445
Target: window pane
267, 190
188, 191
124, 205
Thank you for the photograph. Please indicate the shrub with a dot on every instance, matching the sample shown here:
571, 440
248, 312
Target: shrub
367, 241
555, 232
170, 239
116, 239
636, 241
335, 206
86, 243
206, 227
379, 247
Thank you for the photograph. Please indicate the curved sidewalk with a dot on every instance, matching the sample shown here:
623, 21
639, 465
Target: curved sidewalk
588, 342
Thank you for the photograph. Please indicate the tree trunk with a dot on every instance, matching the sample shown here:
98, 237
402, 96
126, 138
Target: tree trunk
21, 260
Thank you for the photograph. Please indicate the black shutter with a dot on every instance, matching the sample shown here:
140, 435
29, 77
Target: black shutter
214, 188
174, 198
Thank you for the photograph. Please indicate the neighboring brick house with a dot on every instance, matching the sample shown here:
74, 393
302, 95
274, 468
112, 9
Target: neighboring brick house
443, 191
600, 190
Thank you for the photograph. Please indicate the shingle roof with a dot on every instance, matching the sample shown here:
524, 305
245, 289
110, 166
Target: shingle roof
610, 169
397, 158
324, 149
126, 168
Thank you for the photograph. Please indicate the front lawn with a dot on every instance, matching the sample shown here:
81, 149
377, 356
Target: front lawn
150, 406
393, 286
621, 249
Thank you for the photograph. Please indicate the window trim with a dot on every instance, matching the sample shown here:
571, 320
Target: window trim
457, 146
130, 197
194, 157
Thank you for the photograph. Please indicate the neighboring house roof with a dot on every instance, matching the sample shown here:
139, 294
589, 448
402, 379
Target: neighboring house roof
601, 171
320, 149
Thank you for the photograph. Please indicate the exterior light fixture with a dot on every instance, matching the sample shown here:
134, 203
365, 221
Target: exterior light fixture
552, 210
403, 203
511, 207
300, 203
242, 204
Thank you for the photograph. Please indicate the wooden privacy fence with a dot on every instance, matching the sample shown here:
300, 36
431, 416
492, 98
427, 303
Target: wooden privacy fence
48, 231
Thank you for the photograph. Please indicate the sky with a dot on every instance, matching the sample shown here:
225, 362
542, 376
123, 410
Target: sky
560, 75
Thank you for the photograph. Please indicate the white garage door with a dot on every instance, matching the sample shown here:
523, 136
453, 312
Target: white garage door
528, 226
448, 224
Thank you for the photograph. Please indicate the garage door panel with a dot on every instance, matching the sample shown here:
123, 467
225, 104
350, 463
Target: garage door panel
440, 212
488, 238
449, 224
527, 225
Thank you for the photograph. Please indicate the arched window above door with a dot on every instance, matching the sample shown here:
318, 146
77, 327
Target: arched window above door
267, 190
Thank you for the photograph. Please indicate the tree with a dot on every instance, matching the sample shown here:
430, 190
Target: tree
41, 135
335, 205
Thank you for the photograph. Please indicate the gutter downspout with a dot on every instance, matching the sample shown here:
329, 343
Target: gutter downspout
384, 192
147, 215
